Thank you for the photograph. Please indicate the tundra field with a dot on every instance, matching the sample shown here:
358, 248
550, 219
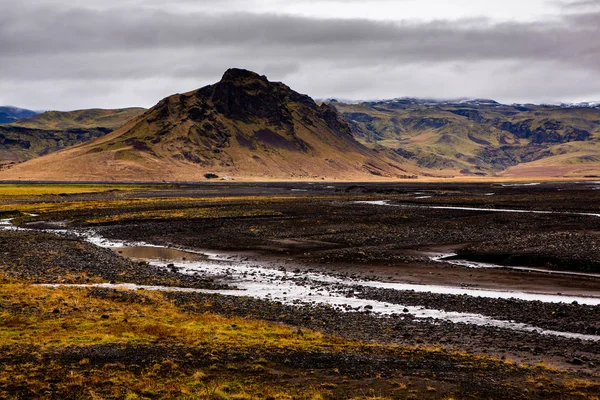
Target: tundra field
300, 290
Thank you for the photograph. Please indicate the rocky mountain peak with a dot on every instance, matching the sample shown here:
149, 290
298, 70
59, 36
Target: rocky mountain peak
245, 95
238, 75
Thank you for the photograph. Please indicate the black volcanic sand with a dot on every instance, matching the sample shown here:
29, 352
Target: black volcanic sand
46, 258
334, 229
531, 348
36, 257
323, 229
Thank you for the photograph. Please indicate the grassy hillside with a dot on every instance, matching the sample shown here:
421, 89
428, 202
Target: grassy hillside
246, 127
91, 118
19, 144
481, 138
52, 131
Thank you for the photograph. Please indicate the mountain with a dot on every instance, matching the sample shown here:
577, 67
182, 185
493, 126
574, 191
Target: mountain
482, 137
10, 114
80, 119
54, 130
244, 126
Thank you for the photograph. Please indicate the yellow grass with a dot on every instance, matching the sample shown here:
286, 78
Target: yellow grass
185, 205
70, 316
186, 213
60, 318
24, 189
66, 316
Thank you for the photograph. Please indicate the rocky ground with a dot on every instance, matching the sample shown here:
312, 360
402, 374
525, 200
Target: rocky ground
331, 375
37, 257
322, 229
561, 317
530, 348
326, 226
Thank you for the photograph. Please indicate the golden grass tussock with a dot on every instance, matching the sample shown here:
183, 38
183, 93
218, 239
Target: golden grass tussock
64, 206
54, 319
70, 316
186, 213
25, 189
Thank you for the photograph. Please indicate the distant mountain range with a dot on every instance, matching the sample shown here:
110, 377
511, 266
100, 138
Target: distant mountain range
419, 101
482, 137
249, 128
80, 119
51, 131
10, 114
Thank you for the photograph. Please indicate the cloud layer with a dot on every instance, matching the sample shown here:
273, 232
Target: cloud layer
77, 55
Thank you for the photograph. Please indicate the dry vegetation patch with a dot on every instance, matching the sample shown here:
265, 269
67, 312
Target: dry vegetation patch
102, 343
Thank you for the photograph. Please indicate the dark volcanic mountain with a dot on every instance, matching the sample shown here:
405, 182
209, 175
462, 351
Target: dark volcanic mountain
243, 126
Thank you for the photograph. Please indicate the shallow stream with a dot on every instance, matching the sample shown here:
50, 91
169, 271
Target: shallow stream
270, 283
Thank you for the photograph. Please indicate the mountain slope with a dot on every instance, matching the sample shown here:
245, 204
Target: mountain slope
18, 144
11, 114
80, 119
52, 131
244, 126
482, 137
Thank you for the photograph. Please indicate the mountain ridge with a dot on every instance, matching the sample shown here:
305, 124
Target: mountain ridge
243, 126
458, 101
51, 131
483, 138
249, 128
9, 114
85, 118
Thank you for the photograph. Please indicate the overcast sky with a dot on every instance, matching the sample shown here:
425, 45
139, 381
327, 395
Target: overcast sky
73, 54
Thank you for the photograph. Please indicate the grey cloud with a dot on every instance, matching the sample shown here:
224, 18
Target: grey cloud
578, 4
129, 47
46, 31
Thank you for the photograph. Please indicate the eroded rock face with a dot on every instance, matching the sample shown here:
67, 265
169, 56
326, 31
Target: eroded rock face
25, 143
333, 120
470, 114
474, 135
359, 117
550, 131
246, 96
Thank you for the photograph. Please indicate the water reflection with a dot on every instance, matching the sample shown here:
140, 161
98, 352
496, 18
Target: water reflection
158, 253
